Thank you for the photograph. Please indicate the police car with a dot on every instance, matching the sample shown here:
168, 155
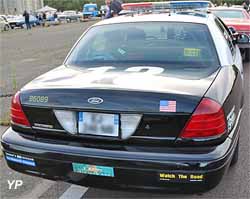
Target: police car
141, 101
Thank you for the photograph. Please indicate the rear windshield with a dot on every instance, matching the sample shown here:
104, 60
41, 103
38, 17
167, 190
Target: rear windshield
177, 45
229, 14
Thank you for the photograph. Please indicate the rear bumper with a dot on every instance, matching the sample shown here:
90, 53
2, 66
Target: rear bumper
175, 170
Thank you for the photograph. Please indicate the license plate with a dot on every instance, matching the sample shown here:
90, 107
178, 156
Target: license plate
93, 169
98, 124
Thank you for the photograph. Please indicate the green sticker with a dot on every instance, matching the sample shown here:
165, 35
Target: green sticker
93, 169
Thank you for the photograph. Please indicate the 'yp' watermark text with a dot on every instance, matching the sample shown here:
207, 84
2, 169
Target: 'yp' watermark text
14, 184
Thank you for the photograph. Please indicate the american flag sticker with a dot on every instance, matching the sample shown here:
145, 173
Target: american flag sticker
167, 106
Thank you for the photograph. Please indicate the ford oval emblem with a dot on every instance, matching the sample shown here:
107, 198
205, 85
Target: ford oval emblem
95, 100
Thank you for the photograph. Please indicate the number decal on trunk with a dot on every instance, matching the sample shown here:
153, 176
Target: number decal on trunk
146, 70
38, 99
138, 69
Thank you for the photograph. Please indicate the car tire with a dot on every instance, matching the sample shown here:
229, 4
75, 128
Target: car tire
6, 27
236, 154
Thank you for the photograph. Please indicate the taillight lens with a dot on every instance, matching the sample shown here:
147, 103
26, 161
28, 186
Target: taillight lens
208, 120
17, 114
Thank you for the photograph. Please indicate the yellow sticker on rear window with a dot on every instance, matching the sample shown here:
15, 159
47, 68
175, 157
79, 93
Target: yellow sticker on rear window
192, 52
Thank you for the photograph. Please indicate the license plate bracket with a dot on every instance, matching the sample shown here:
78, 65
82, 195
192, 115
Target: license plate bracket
98, 124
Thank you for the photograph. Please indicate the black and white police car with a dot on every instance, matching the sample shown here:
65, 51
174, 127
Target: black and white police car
142, 101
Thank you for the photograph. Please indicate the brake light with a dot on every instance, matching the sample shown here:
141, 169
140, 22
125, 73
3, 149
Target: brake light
208, 120
17, 114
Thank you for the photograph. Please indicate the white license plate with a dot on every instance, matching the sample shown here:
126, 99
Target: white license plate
98, 124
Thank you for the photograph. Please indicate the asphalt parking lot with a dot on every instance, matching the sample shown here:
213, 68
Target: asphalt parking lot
26, 54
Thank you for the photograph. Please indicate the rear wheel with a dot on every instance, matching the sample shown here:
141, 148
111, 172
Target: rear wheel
236, 154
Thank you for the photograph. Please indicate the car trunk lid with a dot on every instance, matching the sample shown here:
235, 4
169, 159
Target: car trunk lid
149, 95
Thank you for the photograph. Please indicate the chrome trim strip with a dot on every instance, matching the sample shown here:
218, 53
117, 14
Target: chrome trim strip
47, 129
154, 138
20, 125
233, 131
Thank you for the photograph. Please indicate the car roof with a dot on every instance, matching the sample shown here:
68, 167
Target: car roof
163, 17
90, 4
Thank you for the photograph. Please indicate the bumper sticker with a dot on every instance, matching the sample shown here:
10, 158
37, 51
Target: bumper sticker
20, 159
93, 169
180, 177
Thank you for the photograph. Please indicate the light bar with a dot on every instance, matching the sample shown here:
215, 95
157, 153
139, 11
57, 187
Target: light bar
132, 6
171, 6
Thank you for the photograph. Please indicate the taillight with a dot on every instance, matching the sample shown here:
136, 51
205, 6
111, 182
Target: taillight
208, 120
17, 114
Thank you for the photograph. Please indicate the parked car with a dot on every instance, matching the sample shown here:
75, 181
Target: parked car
238, 6
15, 21
103, 10
144, 101
239, 20
90, 10
19, 21
69, 16
33, 21
4, 25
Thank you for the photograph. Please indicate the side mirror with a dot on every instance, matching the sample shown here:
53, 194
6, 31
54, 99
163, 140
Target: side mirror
234, 34
243, 39
232, 30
